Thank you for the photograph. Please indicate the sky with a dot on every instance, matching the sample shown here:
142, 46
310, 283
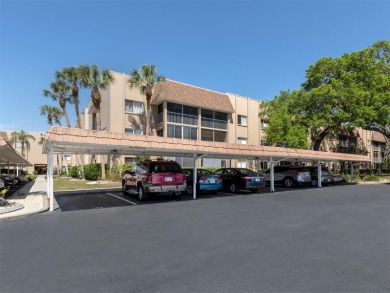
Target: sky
250, 48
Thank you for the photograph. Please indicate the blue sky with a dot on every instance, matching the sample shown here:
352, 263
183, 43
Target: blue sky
251, 48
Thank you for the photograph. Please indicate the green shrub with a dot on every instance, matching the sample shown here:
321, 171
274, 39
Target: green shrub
92, 171
74, 172
212, 169
347, 178
63, 173
31, 177
126, 167
371, 178
115, 173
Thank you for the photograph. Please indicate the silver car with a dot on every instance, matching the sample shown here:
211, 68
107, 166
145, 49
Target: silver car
289, 176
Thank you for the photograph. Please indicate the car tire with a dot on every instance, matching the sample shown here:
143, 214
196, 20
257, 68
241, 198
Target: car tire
233, 188
254, 190
142, 195
288, 182
314, 182
124, 188
17, 181
189, 190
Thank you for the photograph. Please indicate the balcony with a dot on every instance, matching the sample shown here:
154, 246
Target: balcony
214, 123
182, 118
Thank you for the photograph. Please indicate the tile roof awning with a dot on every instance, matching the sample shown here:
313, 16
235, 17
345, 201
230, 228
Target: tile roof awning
177, 92
377, 136
81, 141
8, 155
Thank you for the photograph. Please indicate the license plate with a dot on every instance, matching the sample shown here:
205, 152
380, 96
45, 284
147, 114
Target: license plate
168, 179
212, 181
257, 179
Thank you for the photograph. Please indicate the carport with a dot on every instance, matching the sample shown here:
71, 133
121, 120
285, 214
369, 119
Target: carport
91, 142
10, 157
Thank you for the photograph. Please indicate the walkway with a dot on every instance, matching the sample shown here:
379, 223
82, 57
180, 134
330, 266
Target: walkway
34, 200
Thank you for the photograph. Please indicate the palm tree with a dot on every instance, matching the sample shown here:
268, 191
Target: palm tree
60, 91
97, 80
146, 79
52, 113
75, 77
24, 139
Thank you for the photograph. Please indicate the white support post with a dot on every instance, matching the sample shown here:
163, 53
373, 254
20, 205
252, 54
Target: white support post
351, 172
51, 199
47, 175
17, 169
194, 179
272, 176
319, 174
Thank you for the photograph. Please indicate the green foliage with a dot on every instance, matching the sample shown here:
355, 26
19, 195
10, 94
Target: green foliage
347, 178
115, 173
126, 167
92, 171
212, 169
371, 178
283, 129
141, 158
352, 90
74, 171
31, 177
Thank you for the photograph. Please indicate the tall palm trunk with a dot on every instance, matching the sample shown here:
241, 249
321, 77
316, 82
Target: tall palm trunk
64, 112
75, 94
96, 100
148, 114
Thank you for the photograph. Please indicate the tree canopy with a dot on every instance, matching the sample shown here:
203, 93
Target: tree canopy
352, 90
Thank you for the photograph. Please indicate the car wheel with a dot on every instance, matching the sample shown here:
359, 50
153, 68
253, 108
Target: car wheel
254, 190
314, 182
141, 193
288, 182
17, 181
233, 188
124, 191
189, 189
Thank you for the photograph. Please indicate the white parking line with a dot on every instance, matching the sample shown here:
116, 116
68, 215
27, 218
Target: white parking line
133, 203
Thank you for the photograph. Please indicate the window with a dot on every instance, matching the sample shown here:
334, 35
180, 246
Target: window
18, 144
241, 163
67, 157
134, 107
242, 120
133, 131
184, 132
129, 160
242, 140
160, 132
263, 142
264, 123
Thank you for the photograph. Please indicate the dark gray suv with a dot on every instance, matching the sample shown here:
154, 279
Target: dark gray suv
289, 176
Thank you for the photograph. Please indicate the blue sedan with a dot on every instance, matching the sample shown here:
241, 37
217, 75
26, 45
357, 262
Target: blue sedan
207, 180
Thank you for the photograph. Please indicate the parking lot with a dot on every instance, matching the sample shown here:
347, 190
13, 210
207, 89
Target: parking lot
97, 199
333, 239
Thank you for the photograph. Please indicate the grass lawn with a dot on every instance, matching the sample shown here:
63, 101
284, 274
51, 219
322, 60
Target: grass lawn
72, 184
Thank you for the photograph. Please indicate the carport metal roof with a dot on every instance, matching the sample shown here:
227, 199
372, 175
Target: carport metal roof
82, 141
9, 156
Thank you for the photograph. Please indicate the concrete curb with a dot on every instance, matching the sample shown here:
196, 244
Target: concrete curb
5, 210
77, 191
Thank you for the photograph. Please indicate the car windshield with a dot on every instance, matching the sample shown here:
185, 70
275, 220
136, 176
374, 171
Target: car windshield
165, 168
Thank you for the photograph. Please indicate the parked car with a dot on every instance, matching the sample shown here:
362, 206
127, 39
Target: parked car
154, 177
1, 183
8, 180
326, 175
289, 176
206, 180
234, 179
337, 178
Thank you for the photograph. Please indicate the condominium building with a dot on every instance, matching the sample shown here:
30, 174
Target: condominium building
181, 111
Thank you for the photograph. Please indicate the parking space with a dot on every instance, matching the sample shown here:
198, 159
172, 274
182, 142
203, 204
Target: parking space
115, 198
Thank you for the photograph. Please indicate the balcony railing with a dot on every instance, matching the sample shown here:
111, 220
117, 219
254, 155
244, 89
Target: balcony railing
214, 123
182, 118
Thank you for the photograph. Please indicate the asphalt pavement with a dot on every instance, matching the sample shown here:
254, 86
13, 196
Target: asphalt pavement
306, 240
